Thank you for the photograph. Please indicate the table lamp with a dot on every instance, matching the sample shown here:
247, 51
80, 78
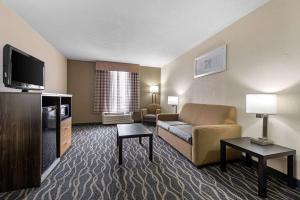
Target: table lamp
262, 105
173, 100
154, 90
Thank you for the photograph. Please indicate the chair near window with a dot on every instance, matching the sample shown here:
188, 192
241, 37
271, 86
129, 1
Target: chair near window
149, 113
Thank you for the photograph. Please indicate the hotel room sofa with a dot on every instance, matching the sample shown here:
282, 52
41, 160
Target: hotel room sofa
197, 130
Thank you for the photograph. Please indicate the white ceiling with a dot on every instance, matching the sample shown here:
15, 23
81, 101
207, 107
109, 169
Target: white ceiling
146, 32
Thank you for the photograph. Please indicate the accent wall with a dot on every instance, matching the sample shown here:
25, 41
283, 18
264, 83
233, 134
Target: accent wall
81, 77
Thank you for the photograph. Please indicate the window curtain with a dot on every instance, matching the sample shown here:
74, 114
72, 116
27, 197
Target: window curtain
116, 91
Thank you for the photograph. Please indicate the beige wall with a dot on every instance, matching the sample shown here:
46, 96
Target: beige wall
16, 32
263, 57
81, 76
149, 76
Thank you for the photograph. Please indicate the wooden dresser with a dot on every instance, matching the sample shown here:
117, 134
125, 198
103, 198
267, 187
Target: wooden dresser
21, 122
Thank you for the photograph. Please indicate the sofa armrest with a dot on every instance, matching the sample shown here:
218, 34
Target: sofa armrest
158, 111
167, 117
206, 142
143, 112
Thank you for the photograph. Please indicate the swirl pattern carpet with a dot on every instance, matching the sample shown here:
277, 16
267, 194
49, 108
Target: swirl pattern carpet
90, 171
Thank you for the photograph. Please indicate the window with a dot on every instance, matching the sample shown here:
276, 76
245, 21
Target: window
116, 91
119, 91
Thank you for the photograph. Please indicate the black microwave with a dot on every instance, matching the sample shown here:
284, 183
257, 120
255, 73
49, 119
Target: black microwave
64, 111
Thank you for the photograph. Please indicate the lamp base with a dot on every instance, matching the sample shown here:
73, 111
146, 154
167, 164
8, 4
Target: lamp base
261, 141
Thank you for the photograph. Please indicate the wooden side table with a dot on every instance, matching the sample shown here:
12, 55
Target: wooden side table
263, 153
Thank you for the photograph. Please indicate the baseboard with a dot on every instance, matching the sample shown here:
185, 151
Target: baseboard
50, 169
86, 124
275, 173
96, 123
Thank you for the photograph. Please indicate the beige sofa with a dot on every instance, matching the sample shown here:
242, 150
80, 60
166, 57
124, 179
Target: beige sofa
197, 130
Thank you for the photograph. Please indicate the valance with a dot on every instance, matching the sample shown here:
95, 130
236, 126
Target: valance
115, 66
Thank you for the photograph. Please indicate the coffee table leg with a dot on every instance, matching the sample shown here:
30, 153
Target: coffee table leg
262, 177
120, 150
223, 156
290, 171
117, 138
151, 148
140, 140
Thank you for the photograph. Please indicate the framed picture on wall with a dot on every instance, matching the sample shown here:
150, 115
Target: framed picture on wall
211, 62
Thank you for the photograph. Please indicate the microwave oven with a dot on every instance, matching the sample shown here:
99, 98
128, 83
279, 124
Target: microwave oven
64, 111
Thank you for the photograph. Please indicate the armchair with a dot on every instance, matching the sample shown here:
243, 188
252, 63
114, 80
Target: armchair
149, 113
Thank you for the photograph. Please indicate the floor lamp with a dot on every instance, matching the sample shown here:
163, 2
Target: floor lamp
154, 90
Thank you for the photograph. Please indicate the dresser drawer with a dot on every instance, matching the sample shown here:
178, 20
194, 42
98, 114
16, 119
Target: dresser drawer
65, 135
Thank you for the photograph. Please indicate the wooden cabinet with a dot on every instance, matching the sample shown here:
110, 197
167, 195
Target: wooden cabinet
20, 140
65, 135
21, 136
64, 126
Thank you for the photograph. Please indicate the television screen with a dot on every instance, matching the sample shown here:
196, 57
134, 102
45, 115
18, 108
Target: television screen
21, 70
26, 69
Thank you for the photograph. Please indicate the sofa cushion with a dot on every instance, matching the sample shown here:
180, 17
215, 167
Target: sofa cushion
167, 124
182, 131
202, 114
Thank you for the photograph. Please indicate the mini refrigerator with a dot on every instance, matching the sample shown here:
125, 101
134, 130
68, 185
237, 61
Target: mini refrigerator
49, 139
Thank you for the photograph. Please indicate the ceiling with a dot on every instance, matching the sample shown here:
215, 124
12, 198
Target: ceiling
145, 32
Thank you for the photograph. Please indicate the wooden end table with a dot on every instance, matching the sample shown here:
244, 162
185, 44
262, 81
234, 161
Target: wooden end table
133, 131
263, 153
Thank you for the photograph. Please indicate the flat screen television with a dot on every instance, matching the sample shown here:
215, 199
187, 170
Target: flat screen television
22, 71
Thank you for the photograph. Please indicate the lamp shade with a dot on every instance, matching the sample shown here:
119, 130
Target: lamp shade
154, 89
173, 100
261, 103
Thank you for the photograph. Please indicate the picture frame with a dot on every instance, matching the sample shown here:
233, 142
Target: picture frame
211, 62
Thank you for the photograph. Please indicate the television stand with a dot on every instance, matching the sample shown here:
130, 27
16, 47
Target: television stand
22, 133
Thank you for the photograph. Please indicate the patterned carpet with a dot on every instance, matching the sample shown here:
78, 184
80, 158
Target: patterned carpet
90, 171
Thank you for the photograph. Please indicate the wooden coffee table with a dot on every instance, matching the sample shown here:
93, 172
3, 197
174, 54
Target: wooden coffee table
263, 153
133, 131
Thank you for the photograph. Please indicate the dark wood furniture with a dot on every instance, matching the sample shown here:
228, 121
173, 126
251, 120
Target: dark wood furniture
64, 126
21, 137
133, 131
20, 140
263, 153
